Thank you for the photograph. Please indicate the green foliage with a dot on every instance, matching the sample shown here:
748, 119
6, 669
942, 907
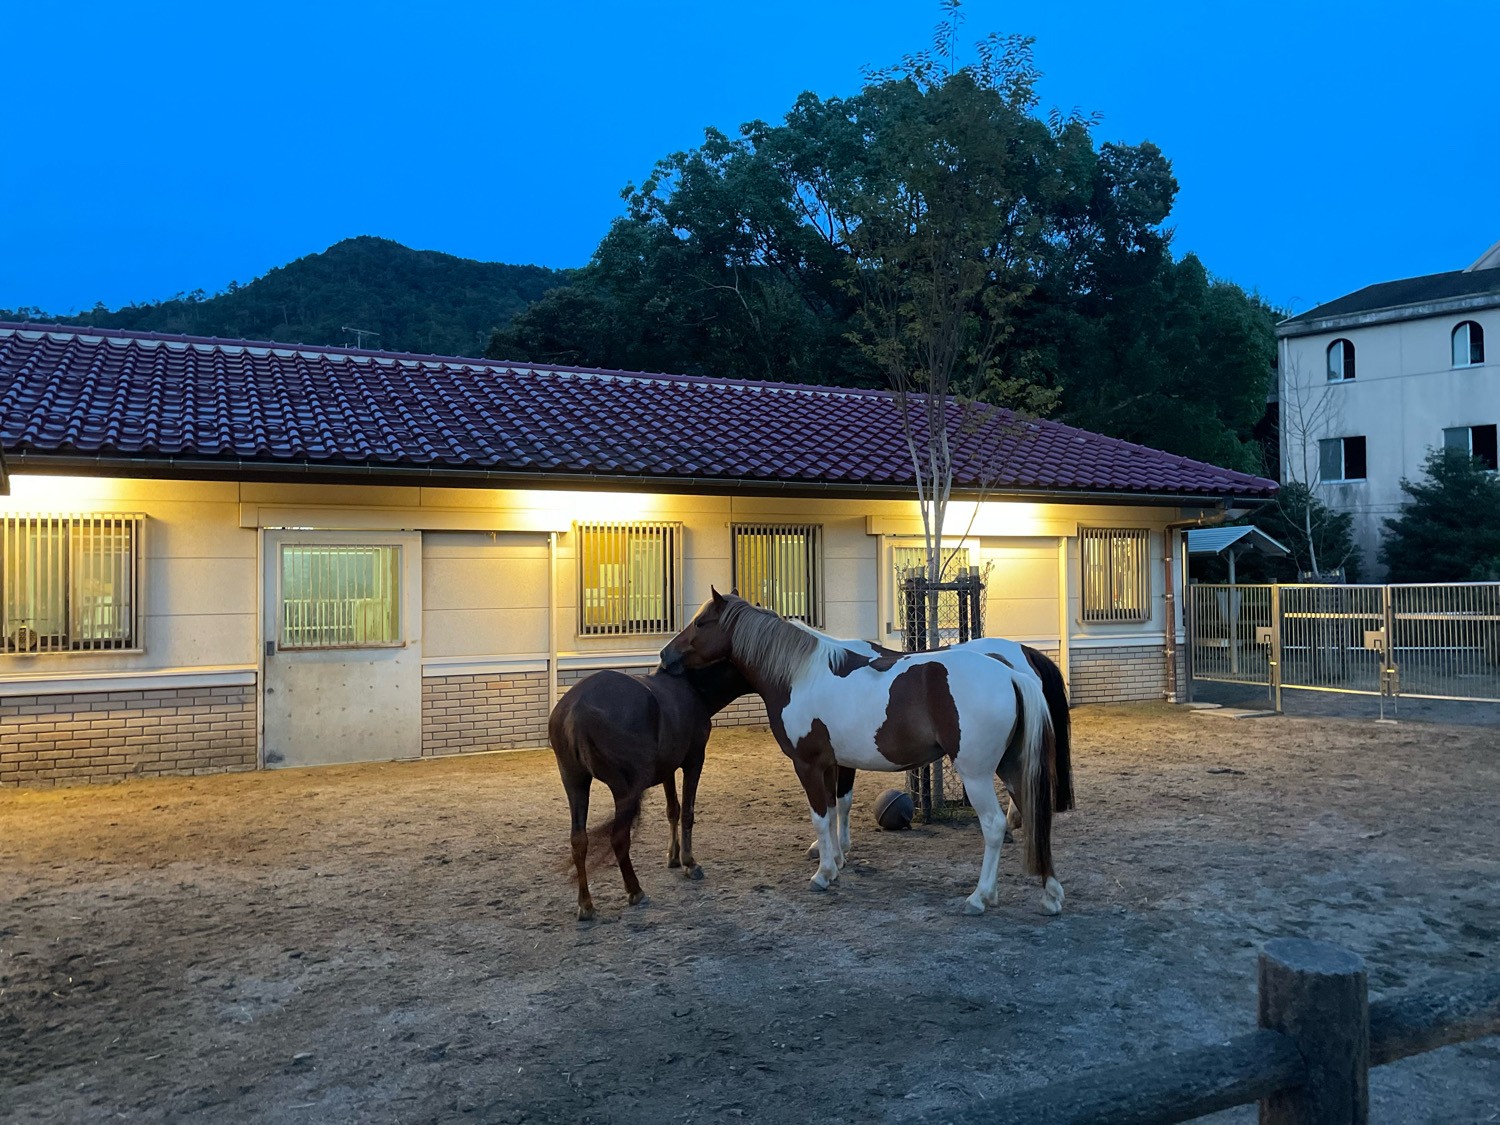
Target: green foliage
935, 205
1449, 527
412, 300
1312, 531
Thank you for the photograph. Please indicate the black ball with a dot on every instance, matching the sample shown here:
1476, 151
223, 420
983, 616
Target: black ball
894, 810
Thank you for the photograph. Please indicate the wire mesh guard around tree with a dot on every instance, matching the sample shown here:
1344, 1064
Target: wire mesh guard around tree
936, 789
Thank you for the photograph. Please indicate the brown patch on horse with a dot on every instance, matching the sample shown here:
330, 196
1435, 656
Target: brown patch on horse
921, 719
851, 661
817, 768
997, 656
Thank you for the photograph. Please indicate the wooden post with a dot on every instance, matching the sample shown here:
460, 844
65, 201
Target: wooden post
1317, 994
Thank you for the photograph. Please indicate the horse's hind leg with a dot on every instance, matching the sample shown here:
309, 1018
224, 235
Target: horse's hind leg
979, 786
1010, 772
692, 770
674, 817
577, 789
626, 810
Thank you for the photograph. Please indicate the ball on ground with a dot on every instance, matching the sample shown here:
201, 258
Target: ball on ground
894, 810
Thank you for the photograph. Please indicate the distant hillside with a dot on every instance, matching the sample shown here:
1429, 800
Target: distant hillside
411, 300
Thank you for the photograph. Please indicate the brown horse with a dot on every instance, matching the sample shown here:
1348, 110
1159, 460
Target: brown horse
633, 733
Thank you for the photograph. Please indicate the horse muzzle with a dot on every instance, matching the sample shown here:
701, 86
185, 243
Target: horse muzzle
671, 662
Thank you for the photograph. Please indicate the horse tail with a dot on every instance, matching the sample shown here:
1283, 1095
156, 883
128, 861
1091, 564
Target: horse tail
1055, 688
1039, 774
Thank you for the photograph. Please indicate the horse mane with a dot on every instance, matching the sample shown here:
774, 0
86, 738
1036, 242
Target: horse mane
782, 650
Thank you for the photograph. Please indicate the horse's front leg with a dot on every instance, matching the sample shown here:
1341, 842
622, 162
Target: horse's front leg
692, 770
845, 793
817, 773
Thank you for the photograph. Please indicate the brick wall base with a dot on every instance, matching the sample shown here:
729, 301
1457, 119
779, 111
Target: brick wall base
50, 740
1118, 675
468, 714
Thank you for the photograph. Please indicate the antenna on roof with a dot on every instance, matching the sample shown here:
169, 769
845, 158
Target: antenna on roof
359, 334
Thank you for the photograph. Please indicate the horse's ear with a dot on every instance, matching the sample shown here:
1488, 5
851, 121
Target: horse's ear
718, 597
735, 592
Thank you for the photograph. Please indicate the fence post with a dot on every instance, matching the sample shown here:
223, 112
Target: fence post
1276, 647
919, 780
1317, 994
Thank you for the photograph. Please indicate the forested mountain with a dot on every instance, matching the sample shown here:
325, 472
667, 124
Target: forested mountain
405, 300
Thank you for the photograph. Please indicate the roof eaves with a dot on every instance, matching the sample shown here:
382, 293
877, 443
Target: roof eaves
1300, 326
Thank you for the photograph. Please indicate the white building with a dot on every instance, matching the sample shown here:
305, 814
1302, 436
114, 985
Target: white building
1373, 381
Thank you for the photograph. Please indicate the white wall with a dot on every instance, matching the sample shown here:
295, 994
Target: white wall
1404, 394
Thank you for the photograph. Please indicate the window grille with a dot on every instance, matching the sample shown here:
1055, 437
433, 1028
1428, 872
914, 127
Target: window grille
1116, 574
780, 567
339, 596
628, 578
68, 583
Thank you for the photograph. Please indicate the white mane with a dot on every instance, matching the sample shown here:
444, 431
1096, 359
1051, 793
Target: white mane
782, 650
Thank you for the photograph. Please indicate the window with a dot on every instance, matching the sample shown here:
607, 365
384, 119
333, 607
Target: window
1341, 459
1340, 360
1468, 344
1116, 583
628, 578
906, 559
340, 596
1477, 442
781, 568
68, 583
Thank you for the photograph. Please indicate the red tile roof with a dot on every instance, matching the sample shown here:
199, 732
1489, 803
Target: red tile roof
69, 395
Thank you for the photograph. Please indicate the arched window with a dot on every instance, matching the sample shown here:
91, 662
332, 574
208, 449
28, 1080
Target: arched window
1340, 360
1468, 344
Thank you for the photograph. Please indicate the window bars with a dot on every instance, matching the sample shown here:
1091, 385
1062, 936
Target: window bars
780, 567
1116, 576
68, 583
628, 578
339, 596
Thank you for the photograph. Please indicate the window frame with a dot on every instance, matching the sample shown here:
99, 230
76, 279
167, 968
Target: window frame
395, 594
66, 571
1344, 477
624, 534
951, 549
1492, 462
1474, 334
812, 559
1139, 541
1347, 365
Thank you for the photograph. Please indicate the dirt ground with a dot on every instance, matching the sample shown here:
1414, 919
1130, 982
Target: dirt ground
396, 943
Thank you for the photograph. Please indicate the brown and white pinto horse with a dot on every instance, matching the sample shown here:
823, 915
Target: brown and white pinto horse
831, 705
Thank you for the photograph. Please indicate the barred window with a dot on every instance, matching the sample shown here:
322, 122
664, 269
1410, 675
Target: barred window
628, 576
340, 596
904, 560
68, 583
780, 567
1116, 584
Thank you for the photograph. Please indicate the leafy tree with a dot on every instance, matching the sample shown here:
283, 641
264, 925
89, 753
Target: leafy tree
1449, 527
760, 256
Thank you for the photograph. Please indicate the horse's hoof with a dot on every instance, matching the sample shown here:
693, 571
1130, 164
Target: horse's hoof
639, 899
1009, 838
813, 852
818, 882
1052, 897
673, 861
585, 913
694, 872
972, 907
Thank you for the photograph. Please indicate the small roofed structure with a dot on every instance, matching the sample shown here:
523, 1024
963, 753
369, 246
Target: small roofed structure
1232, 542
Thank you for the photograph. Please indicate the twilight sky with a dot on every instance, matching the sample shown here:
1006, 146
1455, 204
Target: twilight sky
160, 147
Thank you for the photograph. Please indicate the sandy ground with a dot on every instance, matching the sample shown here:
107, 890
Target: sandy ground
395, 943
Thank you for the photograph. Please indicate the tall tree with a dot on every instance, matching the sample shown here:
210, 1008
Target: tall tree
1449, 528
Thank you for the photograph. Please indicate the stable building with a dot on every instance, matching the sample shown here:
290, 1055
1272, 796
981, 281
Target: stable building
221, 554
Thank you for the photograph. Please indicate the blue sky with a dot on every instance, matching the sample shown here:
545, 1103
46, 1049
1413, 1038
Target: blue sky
154, 148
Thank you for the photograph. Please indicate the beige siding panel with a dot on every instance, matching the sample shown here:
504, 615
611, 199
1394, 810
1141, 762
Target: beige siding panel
483, 632
199, 587
488, 583
200, 640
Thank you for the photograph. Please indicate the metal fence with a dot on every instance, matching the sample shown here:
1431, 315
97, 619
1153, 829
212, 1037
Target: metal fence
936, 789
1434, 641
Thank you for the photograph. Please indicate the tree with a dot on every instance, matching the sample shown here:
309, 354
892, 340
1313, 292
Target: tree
1321, 540
1449, 527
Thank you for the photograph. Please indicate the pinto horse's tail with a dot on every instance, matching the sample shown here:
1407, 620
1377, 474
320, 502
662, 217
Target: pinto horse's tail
1055, 688
1039, 773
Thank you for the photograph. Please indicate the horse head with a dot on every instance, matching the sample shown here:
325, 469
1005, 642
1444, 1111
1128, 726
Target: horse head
704, 642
